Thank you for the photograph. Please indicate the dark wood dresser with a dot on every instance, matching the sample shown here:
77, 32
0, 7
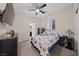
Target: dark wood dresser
8, 46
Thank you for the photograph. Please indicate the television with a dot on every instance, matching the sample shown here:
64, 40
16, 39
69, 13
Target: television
8, 14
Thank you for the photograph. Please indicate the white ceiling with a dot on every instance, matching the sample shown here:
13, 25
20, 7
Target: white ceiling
50, 8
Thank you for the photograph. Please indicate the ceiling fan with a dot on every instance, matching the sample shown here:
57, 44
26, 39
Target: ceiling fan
38, 8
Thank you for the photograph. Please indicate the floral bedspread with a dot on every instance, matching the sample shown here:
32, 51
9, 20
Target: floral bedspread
43, 42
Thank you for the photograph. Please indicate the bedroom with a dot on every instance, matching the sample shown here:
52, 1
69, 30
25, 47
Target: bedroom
25, 22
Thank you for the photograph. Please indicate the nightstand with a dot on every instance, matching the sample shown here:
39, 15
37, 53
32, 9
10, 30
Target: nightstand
71, 43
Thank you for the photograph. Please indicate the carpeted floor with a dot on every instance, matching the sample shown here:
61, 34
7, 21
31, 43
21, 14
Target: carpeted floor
26, 49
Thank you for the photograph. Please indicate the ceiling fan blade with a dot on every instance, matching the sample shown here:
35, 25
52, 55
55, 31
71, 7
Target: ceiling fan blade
43, 6
42, 11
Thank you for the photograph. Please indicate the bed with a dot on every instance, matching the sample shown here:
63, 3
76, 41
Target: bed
46, 42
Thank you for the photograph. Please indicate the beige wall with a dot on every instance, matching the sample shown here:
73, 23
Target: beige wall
21, 25
64, 19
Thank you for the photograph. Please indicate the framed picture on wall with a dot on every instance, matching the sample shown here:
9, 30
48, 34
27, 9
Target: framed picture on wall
53, 24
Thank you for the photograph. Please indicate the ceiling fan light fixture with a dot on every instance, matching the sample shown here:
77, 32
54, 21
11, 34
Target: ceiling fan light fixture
37, 10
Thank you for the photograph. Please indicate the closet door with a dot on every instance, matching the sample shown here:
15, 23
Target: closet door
76, 28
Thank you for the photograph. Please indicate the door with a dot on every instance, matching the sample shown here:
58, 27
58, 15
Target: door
76, 28
33, 29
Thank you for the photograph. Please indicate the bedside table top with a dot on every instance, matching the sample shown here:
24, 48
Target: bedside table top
7, 36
